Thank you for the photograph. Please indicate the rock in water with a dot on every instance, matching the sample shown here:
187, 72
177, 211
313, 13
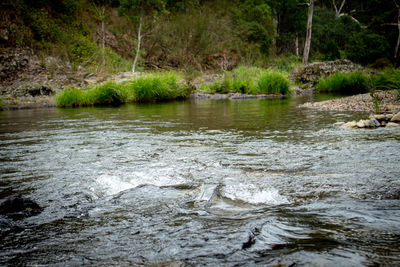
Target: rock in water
18, 207
396, 118
392, 125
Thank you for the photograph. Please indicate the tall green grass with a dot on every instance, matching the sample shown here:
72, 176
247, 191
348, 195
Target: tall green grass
347, 83
149, 87
387, 79
158, 87
250, 80
273, 82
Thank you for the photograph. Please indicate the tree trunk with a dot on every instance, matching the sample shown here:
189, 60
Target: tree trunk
309, 31
138, 44
296, 43
103, 36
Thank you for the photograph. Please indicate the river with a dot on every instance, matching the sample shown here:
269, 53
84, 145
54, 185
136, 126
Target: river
200, 183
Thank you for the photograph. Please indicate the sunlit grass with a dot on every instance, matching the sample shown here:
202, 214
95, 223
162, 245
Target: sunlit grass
149, 87
250, 80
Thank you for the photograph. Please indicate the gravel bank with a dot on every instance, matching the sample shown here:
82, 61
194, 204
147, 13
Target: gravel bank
389, 102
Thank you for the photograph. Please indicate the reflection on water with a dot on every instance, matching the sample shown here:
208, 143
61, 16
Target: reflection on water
253, 182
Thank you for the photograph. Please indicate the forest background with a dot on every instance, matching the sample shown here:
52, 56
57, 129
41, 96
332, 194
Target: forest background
200, 35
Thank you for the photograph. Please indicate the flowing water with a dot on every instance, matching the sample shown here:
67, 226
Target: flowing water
216, 183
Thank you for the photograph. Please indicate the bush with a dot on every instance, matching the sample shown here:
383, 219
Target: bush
347, 83
388, 79
159, 87
367, 48
109, 93
250, 80
71, 97
243, 80
273, 82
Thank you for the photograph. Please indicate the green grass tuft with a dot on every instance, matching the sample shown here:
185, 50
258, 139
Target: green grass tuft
388, 79
250, 80
159, 87
273, 82
71, 97
150, 87
347, 83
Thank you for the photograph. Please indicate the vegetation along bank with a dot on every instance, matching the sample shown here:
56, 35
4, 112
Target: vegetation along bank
73, 53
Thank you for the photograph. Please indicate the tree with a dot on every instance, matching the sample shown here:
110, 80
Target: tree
396, 51
307, 44
136, 11
100, 6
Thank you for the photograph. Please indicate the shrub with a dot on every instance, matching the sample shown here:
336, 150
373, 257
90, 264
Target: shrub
348, 83
243, 80
159, 87
109, 93
71, 97
387, 79
367, 48
273, 82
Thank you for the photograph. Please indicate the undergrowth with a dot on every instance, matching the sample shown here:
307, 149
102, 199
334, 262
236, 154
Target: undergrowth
150, 87
347, 83
250, 80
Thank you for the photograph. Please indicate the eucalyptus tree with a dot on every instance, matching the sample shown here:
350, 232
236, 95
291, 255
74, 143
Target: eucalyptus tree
100, 6
137, 11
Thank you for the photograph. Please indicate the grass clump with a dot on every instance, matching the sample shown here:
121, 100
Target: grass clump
347, 83
273, 82
158, 87
146, 88
250, 80
71, 97
388, 79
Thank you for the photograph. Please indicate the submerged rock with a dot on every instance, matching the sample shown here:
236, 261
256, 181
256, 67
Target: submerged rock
18, 207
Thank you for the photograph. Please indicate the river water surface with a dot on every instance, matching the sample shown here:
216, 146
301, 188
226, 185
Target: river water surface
216, 183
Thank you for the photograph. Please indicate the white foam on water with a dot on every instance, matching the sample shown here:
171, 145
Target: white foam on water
111, 184
252, 194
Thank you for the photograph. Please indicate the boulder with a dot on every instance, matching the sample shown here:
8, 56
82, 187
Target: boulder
18, 207
396, 117
392, 125
350, 124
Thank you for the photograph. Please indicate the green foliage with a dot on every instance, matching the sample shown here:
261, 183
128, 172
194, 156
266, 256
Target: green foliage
159, 87
150, 87
109, 93
71, 97
346, 83
366, 48
286, 64
273, 82
387, 79
250, 80
254, 21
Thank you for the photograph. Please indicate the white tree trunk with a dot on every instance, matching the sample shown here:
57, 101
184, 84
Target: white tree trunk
338, 11
296, 43
307, 44
138, 44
